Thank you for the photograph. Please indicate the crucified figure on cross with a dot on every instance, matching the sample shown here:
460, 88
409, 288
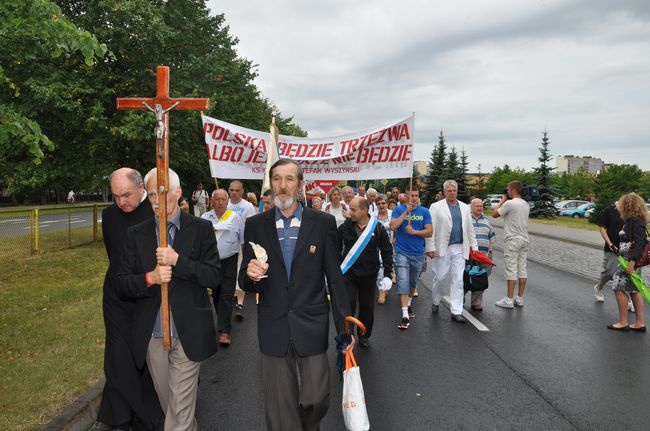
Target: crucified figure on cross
160, 130
159, 103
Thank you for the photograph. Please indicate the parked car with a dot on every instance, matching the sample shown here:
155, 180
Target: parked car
569, 204
578, 212
589, 212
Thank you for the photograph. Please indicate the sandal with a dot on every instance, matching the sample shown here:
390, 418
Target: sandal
639, 329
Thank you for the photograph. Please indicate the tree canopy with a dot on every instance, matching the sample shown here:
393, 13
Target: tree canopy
73, 103
36, 41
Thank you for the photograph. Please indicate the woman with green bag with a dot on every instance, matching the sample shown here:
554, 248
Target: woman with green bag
633, 239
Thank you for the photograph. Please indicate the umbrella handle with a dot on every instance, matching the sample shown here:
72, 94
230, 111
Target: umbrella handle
354, 320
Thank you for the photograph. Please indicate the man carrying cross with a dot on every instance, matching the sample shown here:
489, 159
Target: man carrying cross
190, 264
170, 278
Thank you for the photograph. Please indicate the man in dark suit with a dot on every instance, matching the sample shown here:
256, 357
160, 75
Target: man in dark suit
190, 264
128, 392
293, 312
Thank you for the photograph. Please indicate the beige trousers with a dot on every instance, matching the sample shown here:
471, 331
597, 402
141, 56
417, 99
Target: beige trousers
176, 379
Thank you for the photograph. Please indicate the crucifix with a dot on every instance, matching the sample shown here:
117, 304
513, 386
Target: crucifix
160, 106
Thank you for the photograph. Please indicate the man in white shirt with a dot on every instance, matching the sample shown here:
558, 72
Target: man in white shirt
229, 231
244, 209
371, 196
515, 212
237, 203
453, 235
200, 200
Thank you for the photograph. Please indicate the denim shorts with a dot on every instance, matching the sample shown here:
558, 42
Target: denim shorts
407, 269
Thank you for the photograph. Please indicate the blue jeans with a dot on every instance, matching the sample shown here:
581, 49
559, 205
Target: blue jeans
407, 269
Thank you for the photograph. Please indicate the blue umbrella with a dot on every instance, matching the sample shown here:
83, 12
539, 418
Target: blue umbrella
343, 340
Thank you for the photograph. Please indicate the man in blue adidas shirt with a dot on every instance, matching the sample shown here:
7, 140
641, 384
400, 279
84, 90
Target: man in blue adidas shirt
411, 223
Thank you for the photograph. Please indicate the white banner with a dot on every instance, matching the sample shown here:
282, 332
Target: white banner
385, 152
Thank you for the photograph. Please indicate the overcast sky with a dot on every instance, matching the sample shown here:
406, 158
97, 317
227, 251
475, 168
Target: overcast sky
492, 74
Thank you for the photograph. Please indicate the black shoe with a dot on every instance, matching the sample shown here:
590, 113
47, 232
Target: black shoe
639, 329
435, 308
99, 426
404, 323
618, 328
458, 318
411, 313
364, 342
239, 312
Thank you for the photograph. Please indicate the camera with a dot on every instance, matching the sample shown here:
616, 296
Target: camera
528, 193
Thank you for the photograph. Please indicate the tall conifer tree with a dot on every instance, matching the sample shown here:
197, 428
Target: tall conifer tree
544, 206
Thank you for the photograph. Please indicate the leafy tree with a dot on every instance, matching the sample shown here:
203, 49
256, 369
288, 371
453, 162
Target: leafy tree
544, 206
612, 183
36, 41
93, 138
478, 188
576, 186
436, 170
501, 176
644, 187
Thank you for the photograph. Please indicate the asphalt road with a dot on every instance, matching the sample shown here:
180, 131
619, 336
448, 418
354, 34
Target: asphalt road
551, 365
15, 226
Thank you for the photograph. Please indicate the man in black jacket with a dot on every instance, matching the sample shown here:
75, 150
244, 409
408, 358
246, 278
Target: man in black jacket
361, 277
299, 249
128, 392
190, 264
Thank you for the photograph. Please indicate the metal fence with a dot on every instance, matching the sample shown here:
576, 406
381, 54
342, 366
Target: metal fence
31, 231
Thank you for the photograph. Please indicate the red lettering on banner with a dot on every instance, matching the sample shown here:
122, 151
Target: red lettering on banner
254, 157
231, 154
392, 154
261, 146
207, 128
398, 132
239, 138
342, 159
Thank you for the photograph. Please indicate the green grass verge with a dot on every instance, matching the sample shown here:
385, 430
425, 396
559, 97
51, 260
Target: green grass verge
19, 245
50, 209
52, 336
577, 223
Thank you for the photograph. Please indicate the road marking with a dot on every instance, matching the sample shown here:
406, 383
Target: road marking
471, 319
15, 220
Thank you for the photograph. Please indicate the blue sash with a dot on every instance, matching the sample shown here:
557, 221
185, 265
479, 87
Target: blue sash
359, 246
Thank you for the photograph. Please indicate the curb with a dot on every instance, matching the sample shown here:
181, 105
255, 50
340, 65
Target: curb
81, 413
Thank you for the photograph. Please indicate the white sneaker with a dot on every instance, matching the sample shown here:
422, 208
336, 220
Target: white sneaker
505, 303
630, 306
600, 295
519, 301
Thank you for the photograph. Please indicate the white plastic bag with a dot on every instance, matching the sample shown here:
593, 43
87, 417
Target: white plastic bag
385, 284
355, 414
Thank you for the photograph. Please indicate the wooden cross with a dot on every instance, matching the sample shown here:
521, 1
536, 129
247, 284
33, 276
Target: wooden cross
160, 106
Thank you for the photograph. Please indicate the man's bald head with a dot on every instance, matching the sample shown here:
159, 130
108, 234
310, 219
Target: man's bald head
358, 209
220, 201
477, 207
127, 188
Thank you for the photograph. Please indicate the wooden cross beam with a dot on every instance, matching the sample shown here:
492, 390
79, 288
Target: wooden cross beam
160, 106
